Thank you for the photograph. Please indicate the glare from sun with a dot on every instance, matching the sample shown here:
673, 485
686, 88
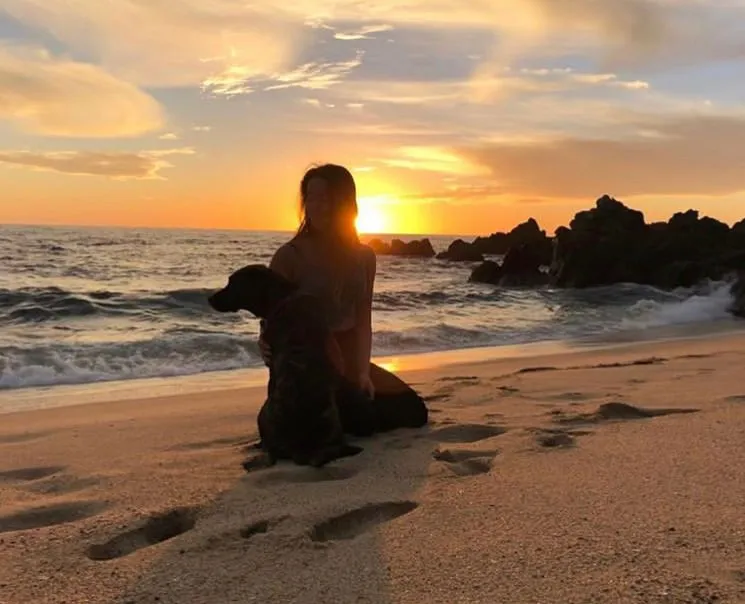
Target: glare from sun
373, 214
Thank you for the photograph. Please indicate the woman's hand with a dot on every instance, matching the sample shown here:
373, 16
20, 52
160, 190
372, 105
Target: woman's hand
264, 350
365, 384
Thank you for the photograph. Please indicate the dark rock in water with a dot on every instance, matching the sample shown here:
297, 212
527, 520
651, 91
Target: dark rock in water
527, 233
421, 248
486, 272
520, 268
737, 307
461, 251
611, 243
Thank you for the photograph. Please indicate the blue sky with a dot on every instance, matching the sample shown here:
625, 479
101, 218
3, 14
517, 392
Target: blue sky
454, 117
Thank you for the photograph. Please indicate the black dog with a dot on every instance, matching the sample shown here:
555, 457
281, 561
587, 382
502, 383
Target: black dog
300, 419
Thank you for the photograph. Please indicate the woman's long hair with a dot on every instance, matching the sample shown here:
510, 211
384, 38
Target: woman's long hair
339, 245
343, 197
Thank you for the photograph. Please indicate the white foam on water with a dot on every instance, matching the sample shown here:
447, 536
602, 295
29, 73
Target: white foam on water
709, 305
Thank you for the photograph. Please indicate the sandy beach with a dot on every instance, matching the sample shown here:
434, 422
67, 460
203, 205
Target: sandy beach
606, 475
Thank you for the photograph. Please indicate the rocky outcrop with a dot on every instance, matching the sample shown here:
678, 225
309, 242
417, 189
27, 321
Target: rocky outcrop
461, 251
521, 267
420, 248
612, 243
497, 244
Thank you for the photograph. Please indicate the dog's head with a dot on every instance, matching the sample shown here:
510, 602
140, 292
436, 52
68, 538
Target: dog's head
255, 288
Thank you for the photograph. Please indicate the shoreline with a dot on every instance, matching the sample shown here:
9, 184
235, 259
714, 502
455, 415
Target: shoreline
34, 398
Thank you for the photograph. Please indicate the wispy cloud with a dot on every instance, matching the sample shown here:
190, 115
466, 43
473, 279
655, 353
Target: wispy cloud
362, 33
685, 155
115, 165
184, 43
61, 97
169, 136
506, 85
434, 159
160, 43
316, 76
311, 75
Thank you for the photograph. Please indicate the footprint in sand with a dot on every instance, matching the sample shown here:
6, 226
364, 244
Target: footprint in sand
548, 438
616, 411
466, 462
300, 475
737, 398
466, 433
29, 474
11, 439
261, 527
47, 480
156, 529
62, 483
358, 521
50, 515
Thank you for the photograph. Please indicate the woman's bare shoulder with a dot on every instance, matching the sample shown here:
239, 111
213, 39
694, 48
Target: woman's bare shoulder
369, 261
285, 258
367, 253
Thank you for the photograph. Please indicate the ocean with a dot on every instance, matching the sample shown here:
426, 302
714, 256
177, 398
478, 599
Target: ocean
85, 305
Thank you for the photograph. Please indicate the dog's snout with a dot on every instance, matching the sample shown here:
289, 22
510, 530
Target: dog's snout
219, 301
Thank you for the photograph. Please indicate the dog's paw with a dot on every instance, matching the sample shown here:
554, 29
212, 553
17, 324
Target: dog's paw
258, 461
329, 454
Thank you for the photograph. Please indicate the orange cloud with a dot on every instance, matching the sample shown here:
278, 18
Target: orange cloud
165, 43
61, 97
685, 155
116, 165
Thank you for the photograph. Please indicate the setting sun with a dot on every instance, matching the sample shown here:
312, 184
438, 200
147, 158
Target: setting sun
375, 215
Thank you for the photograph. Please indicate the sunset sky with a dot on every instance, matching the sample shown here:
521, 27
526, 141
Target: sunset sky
454, 116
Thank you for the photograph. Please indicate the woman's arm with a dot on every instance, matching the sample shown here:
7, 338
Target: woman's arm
364, 319
282, 262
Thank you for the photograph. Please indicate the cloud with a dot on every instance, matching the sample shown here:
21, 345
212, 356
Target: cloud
60, 97
169, 136
508, 84
311, 75
682, 156
363, 33
433, 159
116, 165
163, 43
316, 76
201, 128
459, 194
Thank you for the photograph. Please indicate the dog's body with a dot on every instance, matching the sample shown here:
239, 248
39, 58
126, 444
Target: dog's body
300, 419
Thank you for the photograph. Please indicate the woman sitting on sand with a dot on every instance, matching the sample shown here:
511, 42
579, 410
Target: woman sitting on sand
326, 258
